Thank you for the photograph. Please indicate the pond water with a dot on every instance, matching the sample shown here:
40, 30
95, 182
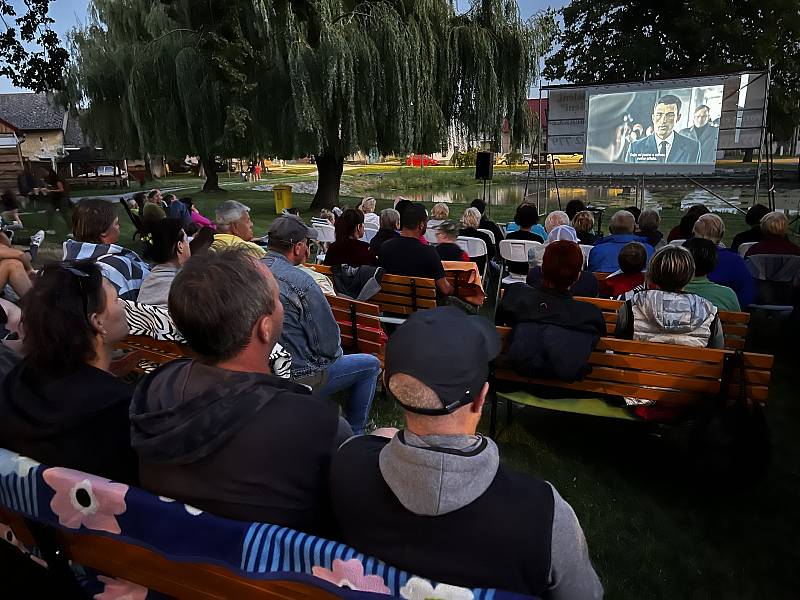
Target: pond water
672, 196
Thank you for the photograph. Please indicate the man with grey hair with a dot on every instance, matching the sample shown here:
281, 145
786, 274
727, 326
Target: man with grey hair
310, 332
603, 257
554, 219
222, 432
235, 228
731, 270
437, 486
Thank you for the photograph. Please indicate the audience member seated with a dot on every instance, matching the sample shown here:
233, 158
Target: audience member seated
471, 222
754, 234
446, 247
526, 217
367, 208
197, 218
95, 226
537, 228
573, 207
169, 248
632, 262
310, 333
704, 253
667, 314
635, 211
222, 432
583, 223
730, 269
603, 257
438, 479
328, 215
178, 210
348, 249
234, 228
153, 209
400, 205
390, 223
683, 230
586, 284
775, 227
60, 405
554, 335
406, 255
16, 268
555, 219
487, 223
440, 212
649, 222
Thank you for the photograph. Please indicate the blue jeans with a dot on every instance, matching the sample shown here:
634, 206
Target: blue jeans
359, 374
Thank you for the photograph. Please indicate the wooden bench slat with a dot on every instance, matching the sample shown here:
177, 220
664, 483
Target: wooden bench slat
647, 378
405, 290
668, 350
394, 300
419, 282
362, 308
729, 316
662, 365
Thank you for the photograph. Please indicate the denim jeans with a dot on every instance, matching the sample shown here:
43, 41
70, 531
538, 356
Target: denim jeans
359, 374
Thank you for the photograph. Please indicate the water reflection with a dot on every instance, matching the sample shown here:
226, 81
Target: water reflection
608, 196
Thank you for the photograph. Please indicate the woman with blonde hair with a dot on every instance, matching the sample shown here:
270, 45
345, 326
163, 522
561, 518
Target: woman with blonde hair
583, 222
367, 207
470, 222
439, 213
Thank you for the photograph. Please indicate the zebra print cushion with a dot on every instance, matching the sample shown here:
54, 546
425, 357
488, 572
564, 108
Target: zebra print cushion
154, 321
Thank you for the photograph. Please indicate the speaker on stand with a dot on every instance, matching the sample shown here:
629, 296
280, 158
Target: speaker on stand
484, 165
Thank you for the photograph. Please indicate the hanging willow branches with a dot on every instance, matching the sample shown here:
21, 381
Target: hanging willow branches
299, 77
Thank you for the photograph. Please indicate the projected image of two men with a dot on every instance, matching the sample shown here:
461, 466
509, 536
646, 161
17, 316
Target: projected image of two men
654, 127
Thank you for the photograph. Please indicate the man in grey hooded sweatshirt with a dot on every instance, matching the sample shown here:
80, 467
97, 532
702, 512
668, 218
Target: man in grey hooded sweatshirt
435, 499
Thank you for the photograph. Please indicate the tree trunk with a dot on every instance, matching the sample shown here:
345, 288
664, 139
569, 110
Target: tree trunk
329, 178
748, 156
210, 168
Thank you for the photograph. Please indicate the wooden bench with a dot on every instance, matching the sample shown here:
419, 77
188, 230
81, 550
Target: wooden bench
665, 373
734, 324
143, 351
195, 580
399, 295
359, 326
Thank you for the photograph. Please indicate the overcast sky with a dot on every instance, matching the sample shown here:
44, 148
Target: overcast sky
68, 13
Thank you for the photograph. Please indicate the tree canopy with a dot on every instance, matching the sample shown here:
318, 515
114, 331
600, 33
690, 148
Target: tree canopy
605, 41
298, 77
31, 55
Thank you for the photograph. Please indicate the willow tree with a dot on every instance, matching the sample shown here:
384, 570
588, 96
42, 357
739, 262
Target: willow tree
298, 77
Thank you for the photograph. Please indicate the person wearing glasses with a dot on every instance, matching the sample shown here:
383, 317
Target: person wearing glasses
60, 404
665, 145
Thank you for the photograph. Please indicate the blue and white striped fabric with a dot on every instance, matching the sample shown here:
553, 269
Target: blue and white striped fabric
59, 498
123, 268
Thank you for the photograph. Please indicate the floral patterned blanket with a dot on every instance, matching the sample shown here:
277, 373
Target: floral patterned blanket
81, 502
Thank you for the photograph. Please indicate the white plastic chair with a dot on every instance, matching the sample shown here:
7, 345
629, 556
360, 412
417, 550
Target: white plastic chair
524, 251
475, 248
743, 248
325, 235
677, 242
490, 234
586, 248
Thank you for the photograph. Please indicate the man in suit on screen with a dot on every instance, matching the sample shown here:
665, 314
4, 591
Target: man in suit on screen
665, 145
704, 132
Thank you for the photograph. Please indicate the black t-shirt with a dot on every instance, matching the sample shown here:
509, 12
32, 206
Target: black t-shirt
410, 257
449, 251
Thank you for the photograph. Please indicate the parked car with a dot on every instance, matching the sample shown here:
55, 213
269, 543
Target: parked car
567, 158
416, 160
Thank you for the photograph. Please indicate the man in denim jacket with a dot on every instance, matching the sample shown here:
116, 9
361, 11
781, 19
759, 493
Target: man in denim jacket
310, 332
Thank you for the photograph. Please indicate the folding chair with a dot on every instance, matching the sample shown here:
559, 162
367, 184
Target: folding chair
516, 251
325, 235
677, 242
743, 248
475, 248
490, 234
586, 248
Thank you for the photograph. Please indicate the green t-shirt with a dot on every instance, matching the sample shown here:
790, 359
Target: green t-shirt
723, 297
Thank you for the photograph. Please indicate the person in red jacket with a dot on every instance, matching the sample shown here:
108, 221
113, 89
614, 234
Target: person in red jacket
632, 262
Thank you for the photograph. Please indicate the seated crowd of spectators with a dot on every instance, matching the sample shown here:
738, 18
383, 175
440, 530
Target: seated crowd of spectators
226, 433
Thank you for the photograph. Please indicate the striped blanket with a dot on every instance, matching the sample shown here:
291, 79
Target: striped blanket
122, 267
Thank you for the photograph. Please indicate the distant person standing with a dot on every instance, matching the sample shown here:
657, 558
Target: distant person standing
257, 171
59, 201
704, 132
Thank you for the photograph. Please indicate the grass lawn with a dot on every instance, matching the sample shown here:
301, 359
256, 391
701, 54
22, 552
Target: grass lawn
652, 531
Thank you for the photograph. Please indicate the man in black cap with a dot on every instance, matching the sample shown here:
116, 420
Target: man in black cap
434, 499
310, 332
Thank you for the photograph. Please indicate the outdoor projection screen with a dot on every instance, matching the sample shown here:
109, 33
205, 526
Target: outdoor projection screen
672, 127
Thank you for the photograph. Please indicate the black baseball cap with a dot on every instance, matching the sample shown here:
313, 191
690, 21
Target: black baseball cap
447, 350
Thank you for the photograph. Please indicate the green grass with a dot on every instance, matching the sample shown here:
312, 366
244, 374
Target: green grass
406, 179
652, 532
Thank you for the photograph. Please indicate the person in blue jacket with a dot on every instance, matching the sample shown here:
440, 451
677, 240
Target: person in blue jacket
603, 257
